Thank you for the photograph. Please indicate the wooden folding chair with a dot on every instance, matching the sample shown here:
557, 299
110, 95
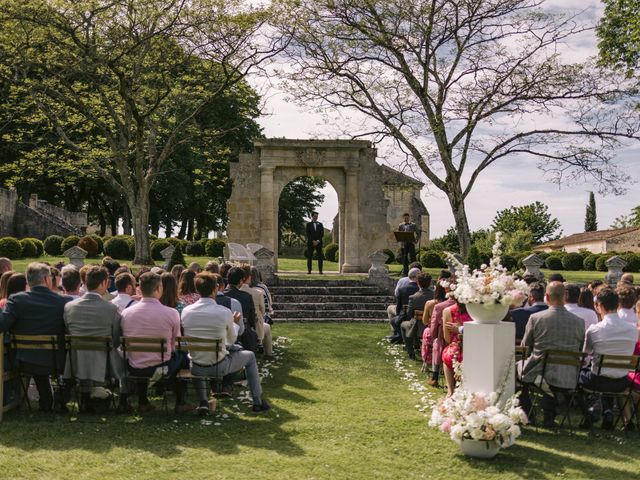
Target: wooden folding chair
88, 343
520, 356
50, 343
198, 344
625, 364
147, 345
7, 375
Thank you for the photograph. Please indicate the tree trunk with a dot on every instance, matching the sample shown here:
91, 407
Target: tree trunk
126, 220
454, 193
190, 228
140, 214
183, 229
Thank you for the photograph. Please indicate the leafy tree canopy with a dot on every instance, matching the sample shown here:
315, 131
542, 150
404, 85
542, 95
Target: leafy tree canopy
534, 217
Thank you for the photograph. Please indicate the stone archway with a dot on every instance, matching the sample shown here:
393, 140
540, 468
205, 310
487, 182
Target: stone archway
350, 166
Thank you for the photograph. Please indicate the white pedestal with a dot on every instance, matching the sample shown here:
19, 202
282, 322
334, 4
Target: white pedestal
488, 352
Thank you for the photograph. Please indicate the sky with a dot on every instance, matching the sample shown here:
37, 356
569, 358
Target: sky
510, 182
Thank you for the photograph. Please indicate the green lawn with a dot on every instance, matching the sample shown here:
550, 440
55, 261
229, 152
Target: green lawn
341, 411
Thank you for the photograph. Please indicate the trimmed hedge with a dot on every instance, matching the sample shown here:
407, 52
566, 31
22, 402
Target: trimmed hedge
99, 242
159, 245
70, 241
589, 263
390, 256
39, 246
509, 262
431, 259
90, 245
53, 245
554, 262
215, 247
600, 263
118, 247
331, 252
195, 249
29, 249
572, 261
633, 262
10, 247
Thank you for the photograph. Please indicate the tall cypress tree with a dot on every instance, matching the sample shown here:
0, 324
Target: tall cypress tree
591, 217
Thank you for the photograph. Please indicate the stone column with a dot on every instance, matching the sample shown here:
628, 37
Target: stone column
166, 256
350, 263
76, 256
266, 265
268, 222
533, 263
341, 231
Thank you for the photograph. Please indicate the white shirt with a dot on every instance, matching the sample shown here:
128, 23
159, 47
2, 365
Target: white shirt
589, 316
628, 315
236, 306
122, 301
207, 319
612, 336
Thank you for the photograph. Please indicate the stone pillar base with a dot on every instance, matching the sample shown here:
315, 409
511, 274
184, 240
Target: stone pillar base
488, 352
347, 268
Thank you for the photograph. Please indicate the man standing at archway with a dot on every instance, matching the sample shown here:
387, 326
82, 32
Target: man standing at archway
315, 232
408, 249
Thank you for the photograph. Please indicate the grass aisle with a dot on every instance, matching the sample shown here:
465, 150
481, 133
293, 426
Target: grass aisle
341, 410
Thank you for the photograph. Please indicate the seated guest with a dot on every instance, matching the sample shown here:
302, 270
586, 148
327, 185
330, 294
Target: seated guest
235, 279
411, 329
627, 309
627, 278
176, 271
453, 318
38, 312
263, 330
551, 329
439, 295
402, 305
71, 281
207, 319
4, 280
212, 267
437, 338
556, 277
55, 280
186, 288
149, 318
111, 265
195, 267
83, 278
90, 315
402, 282
256, 282
535, 301
169, 296
585, 300
611, 336
589, 316
5, 265
126, 288
17, 283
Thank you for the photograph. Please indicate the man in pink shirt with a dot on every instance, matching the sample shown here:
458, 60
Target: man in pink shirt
149, 318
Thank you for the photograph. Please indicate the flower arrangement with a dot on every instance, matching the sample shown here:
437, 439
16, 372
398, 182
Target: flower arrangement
478, 416
489, 284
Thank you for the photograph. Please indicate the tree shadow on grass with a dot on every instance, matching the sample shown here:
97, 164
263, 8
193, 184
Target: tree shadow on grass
227, 433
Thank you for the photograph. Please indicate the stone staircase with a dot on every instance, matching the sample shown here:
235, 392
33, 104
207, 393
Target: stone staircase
328, 301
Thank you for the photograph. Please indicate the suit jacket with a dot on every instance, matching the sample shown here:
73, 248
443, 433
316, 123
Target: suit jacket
246, 301
90, 315
552, 329
314, 234
402, 299
520, 316
37, 312
417, 302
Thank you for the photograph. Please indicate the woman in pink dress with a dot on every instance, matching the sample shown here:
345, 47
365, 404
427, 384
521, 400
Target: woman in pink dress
187, 288
452, 318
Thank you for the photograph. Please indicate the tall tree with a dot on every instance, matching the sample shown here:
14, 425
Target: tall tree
136, 73
591, 216
534, 217
459, 85
619, 34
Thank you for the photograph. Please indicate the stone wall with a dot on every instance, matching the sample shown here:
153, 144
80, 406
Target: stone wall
627, 242
8, 201
77, 219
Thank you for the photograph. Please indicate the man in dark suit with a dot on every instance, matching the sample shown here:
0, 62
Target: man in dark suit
315, 232
235, 279
402, 304
520, 316
411, 329
408, 249
39, 311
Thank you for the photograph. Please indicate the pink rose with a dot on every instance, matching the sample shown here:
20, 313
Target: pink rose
446, 426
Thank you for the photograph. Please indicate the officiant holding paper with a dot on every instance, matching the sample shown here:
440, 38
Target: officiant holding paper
408, 242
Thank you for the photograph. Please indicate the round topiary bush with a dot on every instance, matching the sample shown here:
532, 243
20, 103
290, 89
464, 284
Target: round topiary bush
633, 263
572, 261
589, 263
99, 242
331, 252
117, 248
53, 245
600, 263
390, 256
431, 259
509, 262
90, 245
553, 263
159, 245
215, 247
29, 249
195, 249
39, 246
70, 241
11, 248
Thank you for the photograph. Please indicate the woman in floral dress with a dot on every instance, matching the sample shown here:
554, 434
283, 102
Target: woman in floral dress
452, 318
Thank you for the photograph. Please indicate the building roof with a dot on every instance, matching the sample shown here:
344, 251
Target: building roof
394, 177
587, 237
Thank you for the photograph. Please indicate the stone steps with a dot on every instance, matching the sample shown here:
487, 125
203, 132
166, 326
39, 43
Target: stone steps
319, 300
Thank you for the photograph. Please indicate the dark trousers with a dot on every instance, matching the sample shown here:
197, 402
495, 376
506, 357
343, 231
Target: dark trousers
178, 361
408, 255
548, 403
319, 253
590, 380
41, 378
